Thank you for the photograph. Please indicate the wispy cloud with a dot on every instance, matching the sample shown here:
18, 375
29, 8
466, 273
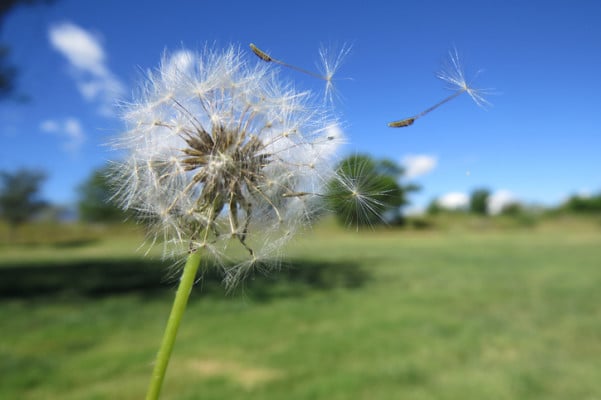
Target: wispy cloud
454, 201
69, 130
418, 164
87, 59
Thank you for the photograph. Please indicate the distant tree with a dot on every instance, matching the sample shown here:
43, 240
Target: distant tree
19, 196
434, 208
95, 204
479, 201
8, 72
367, 191
513, 209
583, 204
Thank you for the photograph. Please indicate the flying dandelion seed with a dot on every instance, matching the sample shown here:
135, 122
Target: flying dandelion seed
330, 63
453, 74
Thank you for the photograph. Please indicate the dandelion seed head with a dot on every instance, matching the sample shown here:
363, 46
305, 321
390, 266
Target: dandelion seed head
213, 144
356, 193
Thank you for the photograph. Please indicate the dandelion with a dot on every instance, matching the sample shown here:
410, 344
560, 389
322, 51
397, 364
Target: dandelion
223, 158
454, 75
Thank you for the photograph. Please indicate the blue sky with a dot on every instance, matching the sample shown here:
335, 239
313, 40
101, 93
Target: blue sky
539, 141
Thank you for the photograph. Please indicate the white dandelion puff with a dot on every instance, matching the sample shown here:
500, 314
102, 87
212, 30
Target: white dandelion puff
214, 143
224, 159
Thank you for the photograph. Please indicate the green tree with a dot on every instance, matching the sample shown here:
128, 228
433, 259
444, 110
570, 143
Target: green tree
19, 196
95, 204
366, 191
583, 204
434, 208
479, 201
513, 209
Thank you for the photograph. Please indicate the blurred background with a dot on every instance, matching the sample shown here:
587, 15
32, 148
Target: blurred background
479, 281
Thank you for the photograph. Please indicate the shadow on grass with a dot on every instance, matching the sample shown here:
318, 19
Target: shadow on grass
59, 243
103, 278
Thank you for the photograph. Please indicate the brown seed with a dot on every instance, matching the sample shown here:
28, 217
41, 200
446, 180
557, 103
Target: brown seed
260, 53
401, 123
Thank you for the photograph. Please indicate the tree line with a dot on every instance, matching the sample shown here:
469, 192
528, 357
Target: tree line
379, 194
376, 181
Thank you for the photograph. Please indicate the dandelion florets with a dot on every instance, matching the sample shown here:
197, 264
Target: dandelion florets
218, 150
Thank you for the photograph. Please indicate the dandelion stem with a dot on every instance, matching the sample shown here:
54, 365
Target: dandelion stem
175, 317
301, 70
440, 103
411, 120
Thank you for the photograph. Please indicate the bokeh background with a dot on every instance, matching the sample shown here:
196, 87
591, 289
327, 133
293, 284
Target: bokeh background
480, 281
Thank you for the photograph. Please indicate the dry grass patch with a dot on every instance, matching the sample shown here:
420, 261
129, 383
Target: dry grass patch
247, 376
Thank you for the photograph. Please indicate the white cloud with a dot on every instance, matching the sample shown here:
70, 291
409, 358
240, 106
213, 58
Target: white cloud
80, 48
499, 200
90, 90
69, 129
418, 165
87, 58
454, 201
585, 193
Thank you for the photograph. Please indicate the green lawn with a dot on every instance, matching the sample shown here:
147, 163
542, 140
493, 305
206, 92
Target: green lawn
455, 314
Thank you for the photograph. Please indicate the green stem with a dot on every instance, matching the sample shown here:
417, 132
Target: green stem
177, 312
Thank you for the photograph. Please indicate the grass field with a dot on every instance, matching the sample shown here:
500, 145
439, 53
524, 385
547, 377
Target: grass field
472, 313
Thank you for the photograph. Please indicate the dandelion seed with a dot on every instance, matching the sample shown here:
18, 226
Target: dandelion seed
330, 63
453, 74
